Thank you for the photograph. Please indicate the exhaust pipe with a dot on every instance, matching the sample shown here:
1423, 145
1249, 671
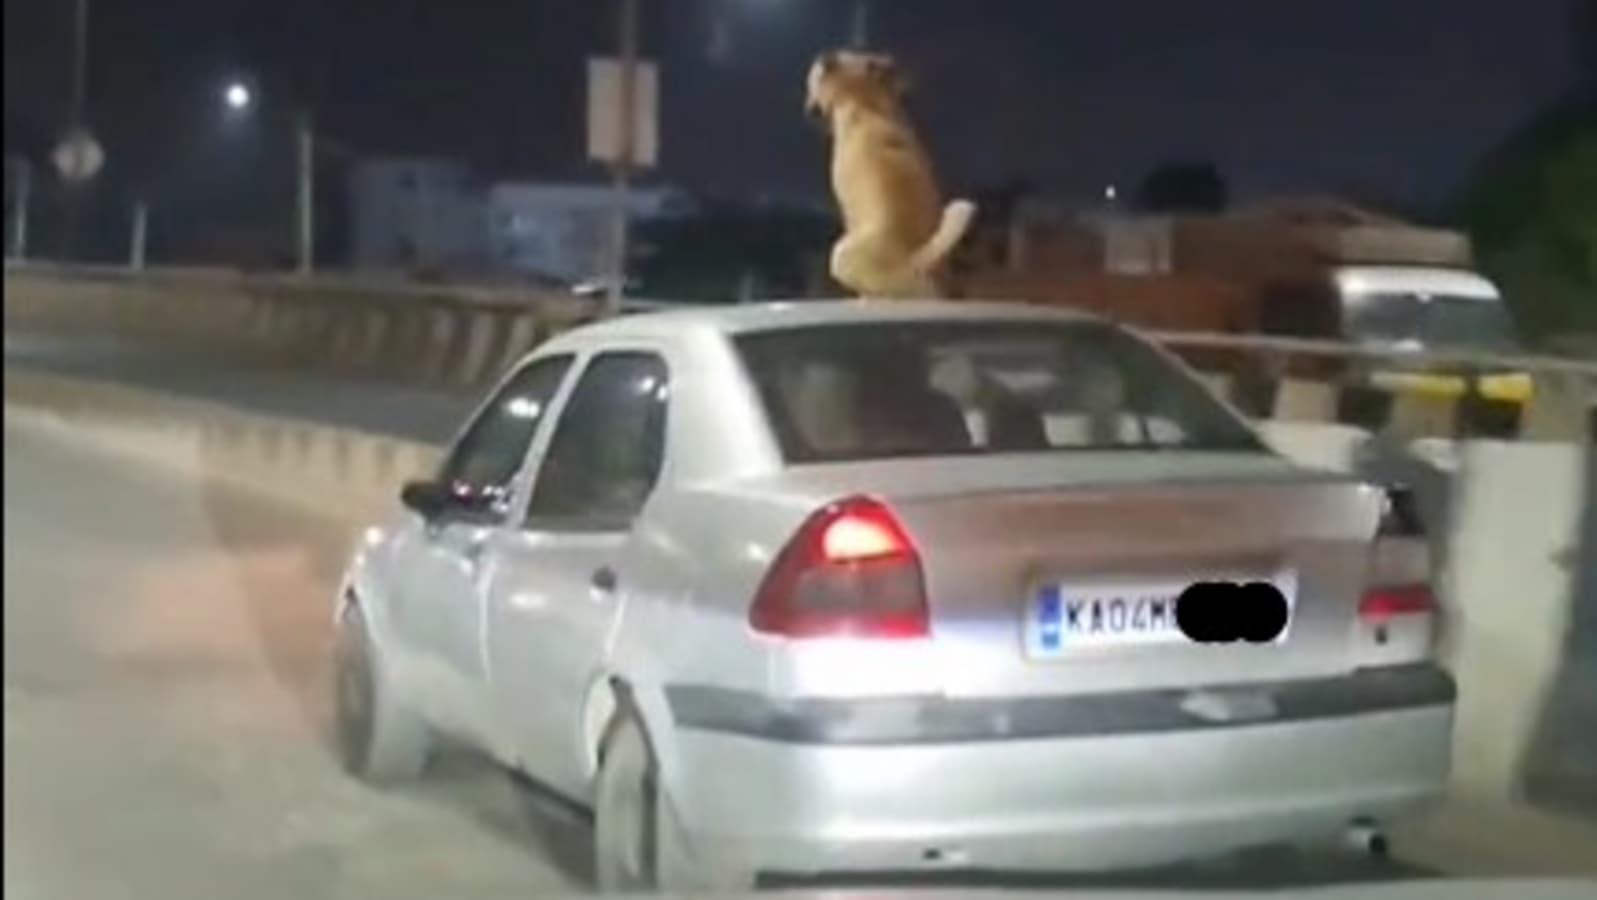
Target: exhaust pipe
1365, 837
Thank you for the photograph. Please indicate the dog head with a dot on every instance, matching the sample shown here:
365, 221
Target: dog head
846, 77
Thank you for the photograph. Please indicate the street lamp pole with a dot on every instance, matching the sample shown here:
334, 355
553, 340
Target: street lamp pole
626, 132
240, 99
306, 190
80, 62
18, 249
79, 115
860, 26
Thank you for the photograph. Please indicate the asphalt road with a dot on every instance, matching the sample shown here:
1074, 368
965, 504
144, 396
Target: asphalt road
417, 413
165, 719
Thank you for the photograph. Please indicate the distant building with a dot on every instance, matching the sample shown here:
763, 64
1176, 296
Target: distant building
434, 215
418, 214
562, 230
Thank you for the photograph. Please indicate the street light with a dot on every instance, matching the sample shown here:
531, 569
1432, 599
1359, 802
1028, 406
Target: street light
237, 96
240, 99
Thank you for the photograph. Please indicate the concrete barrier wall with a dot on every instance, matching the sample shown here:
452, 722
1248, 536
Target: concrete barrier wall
463, 337
443, 336
1513, 607
1515, 527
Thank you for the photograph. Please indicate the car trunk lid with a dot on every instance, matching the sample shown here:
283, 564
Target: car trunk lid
1014, 547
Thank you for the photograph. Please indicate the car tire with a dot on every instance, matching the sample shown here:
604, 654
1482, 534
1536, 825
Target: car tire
378, 737
637, 844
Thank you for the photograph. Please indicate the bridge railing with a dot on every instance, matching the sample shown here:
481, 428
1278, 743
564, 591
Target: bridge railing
464, 335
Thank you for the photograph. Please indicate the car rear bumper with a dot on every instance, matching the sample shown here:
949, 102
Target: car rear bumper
1076, 801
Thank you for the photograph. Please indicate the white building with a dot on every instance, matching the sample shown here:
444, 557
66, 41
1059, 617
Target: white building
417, 214
562, 230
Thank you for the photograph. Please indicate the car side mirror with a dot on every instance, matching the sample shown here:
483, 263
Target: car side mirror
425, 498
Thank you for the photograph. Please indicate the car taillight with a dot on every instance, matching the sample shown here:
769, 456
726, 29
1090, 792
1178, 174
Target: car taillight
1384, 604
1398, 609
849, 571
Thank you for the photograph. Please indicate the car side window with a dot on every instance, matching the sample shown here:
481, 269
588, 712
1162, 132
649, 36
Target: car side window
483, 463
608, 446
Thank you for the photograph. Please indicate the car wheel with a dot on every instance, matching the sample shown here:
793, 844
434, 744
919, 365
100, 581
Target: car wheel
637, 846
379, 739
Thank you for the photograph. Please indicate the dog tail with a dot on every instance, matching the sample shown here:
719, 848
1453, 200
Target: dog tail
956, 220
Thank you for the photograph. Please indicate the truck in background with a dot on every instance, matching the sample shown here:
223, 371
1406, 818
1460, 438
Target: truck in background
1312, 269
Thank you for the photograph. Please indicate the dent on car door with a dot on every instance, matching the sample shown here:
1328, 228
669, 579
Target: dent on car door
439, 597
556, 593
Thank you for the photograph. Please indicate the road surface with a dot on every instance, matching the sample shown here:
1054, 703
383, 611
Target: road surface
165, 719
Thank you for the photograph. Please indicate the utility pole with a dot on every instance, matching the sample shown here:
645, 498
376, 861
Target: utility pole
306, 192
80, 62
626, 131
140, 232
859, 33
78, 116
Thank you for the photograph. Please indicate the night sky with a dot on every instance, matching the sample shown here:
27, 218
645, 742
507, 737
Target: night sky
1384, 100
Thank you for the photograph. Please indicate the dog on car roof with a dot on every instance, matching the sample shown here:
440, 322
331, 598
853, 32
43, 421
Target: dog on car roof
897, 231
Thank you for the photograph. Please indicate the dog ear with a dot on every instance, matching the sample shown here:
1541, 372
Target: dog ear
888, 72
828, 61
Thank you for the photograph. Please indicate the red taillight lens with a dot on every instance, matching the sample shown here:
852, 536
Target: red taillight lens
862, 533
1383, 604
850, 571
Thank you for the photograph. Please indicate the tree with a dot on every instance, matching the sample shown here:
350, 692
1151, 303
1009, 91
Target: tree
1531, 212
1184, 187
1586, 39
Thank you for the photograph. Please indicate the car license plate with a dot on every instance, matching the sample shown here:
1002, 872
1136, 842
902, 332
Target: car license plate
1069, 617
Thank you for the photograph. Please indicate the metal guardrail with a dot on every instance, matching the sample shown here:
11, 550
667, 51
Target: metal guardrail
328, 285
520, 296
1581, 375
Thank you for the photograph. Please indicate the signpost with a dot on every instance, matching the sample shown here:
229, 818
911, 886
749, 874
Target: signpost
623, 132
78, 157
605, 107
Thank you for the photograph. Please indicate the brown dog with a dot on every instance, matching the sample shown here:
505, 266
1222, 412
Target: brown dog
896, 230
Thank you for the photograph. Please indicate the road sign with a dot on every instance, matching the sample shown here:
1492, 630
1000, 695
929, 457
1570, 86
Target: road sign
79, 157
604, 106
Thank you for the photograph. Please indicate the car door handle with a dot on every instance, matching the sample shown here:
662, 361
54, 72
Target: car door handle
604, 579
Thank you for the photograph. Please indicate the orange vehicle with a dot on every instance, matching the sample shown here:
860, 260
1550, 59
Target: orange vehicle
1316, 270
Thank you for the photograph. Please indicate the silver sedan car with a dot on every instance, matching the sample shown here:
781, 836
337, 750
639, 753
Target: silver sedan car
843, 586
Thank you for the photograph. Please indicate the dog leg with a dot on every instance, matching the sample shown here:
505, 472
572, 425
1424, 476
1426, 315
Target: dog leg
909, 284
859, 265
855, 265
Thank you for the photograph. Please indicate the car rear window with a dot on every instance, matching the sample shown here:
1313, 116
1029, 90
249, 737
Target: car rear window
853, 392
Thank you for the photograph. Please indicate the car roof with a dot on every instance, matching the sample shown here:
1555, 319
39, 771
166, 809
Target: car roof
746, 317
